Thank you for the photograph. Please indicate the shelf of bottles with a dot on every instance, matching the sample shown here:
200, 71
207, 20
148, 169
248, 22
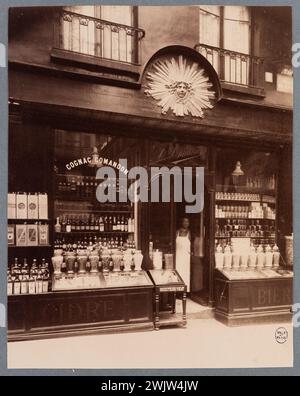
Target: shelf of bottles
91, 238
245, 215
24, 278
245, 228
80, 216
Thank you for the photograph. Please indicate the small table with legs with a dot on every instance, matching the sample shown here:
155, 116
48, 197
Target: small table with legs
168, 281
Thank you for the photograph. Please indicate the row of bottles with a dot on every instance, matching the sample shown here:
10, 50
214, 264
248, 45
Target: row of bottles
69, 206
244, 228
25, 279
254, 210
268, 183
77, 186
254, 240
73, 223
93, 242
234, 196
78, 261
256, 258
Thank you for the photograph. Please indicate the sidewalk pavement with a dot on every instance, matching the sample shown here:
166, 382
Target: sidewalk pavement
204, 343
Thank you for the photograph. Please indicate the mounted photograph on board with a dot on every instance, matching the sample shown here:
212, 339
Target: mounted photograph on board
150, 188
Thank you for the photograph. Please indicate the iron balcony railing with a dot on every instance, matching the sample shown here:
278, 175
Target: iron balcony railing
97, 37
233, 67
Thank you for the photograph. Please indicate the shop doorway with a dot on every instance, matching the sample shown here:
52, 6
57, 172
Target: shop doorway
165, 218
199, 258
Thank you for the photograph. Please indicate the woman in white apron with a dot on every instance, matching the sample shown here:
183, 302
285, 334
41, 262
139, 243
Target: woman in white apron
183, 252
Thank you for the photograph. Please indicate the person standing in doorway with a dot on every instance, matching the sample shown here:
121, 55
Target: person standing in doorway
183, 252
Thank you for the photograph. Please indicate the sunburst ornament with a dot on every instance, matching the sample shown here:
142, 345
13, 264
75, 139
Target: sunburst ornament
180, 86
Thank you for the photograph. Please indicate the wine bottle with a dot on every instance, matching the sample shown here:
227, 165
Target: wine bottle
63, 224
31, 284
17, 285
39, 282
57, 227
101, 224
68, 225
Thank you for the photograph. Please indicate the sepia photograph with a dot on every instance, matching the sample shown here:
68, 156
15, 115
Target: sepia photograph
150, 187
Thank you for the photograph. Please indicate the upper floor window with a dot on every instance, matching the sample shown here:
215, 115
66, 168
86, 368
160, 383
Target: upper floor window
225, 40
104, 31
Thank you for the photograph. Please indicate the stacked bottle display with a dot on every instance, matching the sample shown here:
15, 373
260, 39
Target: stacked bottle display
254, 258
28, 279
94, 223
253, 210
78, 186
94, 256
70, 242
237, 228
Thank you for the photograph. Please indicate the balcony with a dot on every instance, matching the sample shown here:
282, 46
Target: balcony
97, 43
237, 71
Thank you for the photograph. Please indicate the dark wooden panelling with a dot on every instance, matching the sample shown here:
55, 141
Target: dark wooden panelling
249, 301
54, 314
129, 107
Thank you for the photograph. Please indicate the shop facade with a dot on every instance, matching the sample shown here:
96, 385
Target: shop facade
157, 98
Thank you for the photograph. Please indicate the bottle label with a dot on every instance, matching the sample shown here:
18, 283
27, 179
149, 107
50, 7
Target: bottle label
39, 286
17, 288
10, 234
43, 234
23, 287
45, 286
31, 288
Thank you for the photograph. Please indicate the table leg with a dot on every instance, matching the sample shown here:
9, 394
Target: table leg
184, 321
156, 320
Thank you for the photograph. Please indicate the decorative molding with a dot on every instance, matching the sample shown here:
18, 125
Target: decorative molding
181, 86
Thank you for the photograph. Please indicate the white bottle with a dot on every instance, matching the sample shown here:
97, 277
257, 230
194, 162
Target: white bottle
227, 257
219, 257
244, 260
252, 258
276, 257
236, 257
260, 257
269, 257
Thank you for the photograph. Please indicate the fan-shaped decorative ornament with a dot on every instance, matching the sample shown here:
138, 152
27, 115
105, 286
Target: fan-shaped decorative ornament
182, 87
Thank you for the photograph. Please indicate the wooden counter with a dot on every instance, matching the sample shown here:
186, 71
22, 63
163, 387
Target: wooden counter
249, 301
70, 313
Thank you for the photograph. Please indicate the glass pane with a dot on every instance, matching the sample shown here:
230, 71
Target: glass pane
237, 29
210, 27
247, 171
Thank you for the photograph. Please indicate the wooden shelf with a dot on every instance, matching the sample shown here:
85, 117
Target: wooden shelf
94, 232
26, 220
246, 237
237, 200
242, 218
91, 200
28, 247
86, 212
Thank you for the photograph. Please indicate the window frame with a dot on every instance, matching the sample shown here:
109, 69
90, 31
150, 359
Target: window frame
254, 85
113, 71
221, 16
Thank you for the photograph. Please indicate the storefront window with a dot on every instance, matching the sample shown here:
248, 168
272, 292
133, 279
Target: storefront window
80, 218
246, 202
